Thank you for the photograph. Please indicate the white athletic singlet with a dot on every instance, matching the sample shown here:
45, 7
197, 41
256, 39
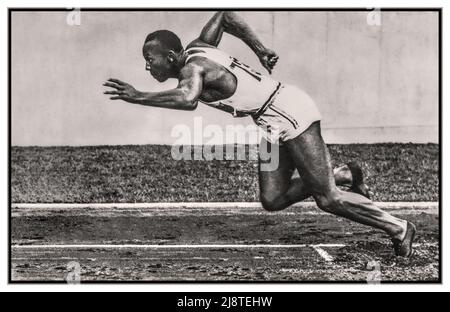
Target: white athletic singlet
253, 89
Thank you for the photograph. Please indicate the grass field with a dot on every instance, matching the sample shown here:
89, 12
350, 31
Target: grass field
395, 172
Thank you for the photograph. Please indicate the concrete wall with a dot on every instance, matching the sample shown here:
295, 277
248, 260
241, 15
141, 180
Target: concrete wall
373, 83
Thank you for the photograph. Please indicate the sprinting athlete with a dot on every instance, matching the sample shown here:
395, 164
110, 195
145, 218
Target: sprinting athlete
287, 114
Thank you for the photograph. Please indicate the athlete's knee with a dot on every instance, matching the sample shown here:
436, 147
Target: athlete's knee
330, 202
270, 203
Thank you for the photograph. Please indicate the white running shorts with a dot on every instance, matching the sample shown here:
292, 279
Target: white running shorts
289, 114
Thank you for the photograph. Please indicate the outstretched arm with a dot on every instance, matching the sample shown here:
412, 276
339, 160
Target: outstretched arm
183, 97
233, 24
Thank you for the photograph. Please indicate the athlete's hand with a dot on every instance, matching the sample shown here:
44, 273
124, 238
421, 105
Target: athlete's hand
123, 91
268, 59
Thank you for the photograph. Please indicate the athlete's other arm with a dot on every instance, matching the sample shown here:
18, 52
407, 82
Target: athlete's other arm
233, 24
183, 97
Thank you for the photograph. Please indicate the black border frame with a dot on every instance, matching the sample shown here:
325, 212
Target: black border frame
296, 9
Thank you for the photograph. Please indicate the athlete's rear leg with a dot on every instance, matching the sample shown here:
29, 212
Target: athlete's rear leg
351, 176
342, 175
312, 159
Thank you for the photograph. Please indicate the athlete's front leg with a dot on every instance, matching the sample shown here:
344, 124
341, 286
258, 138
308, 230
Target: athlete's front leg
273, 184
279, 190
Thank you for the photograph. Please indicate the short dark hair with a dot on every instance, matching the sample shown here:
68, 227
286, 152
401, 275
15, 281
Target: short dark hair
167, 38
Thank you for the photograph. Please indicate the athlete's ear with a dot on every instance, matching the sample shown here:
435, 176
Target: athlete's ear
171, 56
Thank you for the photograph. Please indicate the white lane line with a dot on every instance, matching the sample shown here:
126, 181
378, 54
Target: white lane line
328, 245
172, 246
214, 205
325, 255
123, 258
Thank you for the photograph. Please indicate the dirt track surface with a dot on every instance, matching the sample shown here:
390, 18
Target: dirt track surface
349, 263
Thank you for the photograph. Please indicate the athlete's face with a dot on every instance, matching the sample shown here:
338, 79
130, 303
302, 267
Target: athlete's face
158, 60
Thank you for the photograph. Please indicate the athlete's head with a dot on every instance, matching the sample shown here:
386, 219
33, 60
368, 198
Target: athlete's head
162, 52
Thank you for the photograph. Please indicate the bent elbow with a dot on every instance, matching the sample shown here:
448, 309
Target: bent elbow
191, 105
227, 18
188, 104
189, 101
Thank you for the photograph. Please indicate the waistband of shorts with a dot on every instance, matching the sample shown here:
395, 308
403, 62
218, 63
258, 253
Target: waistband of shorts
269, 101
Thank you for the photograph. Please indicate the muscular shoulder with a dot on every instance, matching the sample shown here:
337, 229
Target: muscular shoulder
201, 65
191, 69
198, 43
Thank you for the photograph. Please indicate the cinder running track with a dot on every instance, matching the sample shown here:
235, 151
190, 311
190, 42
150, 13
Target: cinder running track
212, 242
